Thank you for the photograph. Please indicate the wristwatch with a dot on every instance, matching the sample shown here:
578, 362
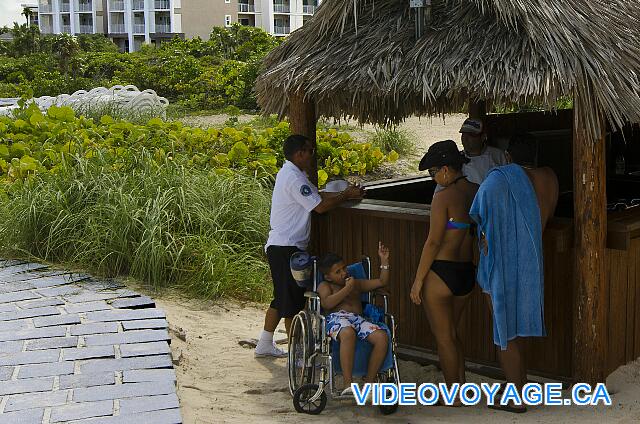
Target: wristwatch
384, 267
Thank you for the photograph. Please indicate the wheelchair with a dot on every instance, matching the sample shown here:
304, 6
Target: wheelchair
314, 359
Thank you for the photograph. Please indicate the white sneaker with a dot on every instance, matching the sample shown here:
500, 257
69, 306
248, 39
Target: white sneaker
347, 392
265, 350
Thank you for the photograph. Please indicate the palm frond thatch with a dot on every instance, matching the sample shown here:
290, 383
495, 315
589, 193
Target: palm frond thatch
360, 59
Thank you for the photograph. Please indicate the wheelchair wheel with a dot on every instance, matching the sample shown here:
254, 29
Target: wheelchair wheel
302, 399
387, 377
300, 348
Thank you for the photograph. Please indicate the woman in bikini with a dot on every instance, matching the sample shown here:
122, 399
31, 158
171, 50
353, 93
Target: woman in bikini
446, 275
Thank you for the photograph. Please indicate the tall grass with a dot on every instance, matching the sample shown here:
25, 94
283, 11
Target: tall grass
96, 110
393, 139
166, 226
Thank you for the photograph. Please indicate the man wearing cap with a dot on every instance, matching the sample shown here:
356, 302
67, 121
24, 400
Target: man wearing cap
294, 197
483, 157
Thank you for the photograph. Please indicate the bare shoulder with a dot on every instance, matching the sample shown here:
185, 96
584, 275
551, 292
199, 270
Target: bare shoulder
324, 289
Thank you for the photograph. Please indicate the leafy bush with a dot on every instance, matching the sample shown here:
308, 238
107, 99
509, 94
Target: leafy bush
194, 73
36, 143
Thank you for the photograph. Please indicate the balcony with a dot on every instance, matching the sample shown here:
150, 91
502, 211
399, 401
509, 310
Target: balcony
138, 29
85, 7
116, 5
162, 4
281, 8
281, 30
66, 29
163, 28
86, 29
44, 8
138, 5
246, 8
308, 9
65, 7
118, 29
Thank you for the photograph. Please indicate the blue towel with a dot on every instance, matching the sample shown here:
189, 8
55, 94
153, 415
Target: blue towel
506, 210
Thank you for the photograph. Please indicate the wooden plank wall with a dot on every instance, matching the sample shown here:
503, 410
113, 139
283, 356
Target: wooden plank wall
623, 270
352, 232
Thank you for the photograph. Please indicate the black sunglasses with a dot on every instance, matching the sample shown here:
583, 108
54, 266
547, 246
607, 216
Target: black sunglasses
434, 171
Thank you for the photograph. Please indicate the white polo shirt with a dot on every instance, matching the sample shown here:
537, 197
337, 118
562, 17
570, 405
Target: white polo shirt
479, 166
294, 197
477, 170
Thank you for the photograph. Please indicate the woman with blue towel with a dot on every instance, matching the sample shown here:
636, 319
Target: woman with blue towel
446, 275
512, 208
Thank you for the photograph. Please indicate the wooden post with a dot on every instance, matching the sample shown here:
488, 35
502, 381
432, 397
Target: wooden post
477, 109
590, 304
302, 120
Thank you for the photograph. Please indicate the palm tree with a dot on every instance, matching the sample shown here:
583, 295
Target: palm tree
27, 13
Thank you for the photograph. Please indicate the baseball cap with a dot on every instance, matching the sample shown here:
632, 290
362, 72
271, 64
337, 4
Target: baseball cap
472, 126
440, 154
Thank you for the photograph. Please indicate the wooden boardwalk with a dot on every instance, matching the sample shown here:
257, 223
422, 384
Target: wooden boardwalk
79, 350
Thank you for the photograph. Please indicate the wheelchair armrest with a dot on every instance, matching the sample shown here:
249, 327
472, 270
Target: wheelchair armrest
311, 295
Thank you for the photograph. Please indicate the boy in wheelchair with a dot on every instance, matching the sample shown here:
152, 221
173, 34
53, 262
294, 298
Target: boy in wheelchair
340, 296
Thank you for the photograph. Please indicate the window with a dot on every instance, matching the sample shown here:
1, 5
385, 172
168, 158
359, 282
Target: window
227, 1
227, 20
244, 21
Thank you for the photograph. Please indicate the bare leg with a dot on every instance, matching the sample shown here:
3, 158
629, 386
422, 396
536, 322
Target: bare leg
438, 303
459, 303
380, 343
271, 320
287, 324
511, 360
347, 339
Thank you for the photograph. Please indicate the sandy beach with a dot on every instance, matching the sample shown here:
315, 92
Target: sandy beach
221, 382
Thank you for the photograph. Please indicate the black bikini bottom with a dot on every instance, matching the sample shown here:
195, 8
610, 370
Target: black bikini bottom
460, 277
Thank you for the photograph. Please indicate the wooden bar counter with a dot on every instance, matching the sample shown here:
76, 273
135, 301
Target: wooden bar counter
355, 229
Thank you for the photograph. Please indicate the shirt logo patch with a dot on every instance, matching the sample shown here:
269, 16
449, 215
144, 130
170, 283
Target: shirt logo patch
305, 190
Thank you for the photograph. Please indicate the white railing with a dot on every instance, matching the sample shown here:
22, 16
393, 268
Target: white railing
162, 4
281, 30
138, 5
138, 28
45, 8
86, 29
66, 29
85, 7
116, 5
165, 29
281, 8
308, 9
117, 28
245, 7
65, 7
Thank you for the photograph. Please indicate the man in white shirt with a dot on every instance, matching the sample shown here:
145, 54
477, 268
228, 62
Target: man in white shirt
483, 157
294, 197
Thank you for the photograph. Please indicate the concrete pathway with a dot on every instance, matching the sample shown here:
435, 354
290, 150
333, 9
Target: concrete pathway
80, 350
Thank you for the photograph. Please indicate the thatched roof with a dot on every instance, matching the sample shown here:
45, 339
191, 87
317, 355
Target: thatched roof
360, 58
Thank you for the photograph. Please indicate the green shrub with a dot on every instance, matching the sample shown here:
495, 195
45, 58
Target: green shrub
393, 139
36, 143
